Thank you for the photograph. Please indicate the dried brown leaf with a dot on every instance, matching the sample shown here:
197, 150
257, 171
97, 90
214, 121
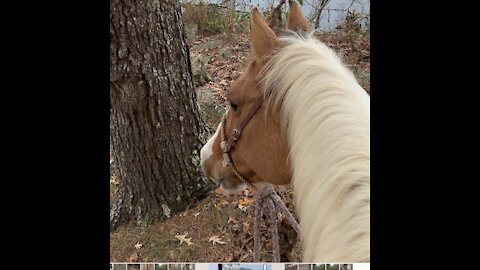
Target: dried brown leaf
246, 201
216, 240
183, 238
223, 202
231, 219
133, 258
243, 208
246, 226
229, 258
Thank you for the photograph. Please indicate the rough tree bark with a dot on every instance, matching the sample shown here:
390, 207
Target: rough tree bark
156, 128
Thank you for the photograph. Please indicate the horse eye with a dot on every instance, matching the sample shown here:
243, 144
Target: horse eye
233, 106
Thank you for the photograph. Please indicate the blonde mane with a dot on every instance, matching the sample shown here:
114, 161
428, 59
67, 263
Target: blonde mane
326, 115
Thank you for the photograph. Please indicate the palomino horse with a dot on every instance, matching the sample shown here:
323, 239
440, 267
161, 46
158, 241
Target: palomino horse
298, 116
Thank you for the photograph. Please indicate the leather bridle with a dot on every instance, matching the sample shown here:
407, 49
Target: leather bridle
236, 132
267, 199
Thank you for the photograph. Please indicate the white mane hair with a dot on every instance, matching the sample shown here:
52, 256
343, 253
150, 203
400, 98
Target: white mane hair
326, 116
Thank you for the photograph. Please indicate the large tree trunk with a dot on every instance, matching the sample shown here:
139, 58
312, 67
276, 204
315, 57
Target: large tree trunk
156, 128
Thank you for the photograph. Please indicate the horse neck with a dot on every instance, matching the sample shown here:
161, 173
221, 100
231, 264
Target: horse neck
327, 118
330, 155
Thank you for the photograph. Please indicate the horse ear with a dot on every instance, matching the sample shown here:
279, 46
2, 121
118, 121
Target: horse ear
296, 20
264, 39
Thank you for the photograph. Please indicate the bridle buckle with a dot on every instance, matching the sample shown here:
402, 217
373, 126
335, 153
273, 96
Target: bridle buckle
235, 134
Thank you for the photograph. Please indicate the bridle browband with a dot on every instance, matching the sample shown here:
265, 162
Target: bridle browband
236, 132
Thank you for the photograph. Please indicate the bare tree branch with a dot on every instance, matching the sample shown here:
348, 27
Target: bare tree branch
276, 18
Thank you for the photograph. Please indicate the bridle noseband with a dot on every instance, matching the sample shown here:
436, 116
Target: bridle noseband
236, 132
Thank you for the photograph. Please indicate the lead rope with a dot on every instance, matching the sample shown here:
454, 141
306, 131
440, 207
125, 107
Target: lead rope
268, 199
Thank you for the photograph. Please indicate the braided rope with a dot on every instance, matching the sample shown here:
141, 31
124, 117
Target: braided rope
256, 230
268, 199
273, 225
282, 207
222, 129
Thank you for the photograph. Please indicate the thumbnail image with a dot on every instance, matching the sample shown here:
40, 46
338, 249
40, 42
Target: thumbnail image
133, 266
181, 266
161, 266
119, 266
147, 266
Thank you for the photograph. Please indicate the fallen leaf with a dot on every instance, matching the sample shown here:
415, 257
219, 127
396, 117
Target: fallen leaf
183, 238
196, 215
113, 180
133, 258
246, 201
231, 219
223, 202
216, 240
138, 245
246, 226
223, 82
229, 258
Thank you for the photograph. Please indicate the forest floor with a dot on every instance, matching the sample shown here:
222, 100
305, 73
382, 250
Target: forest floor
231, 221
